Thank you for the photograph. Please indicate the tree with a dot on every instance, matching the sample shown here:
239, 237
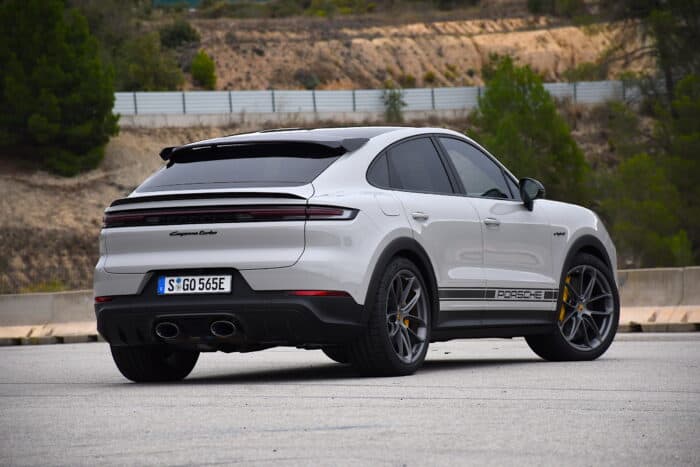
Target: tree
204, 70
517, 120
56, 98
674, 29
641, 205
178, 33
144, 66
679, 130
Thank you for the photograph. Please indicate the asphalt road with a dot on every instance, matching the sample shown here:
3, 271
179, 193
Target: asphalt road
483, 402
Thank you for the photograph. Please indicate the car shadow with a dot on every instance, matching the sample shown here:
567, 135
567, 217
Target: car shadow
335, 371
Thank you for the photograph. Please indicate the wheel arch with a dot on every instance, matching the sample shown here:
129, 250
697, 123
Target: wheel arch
587, 244
410, 249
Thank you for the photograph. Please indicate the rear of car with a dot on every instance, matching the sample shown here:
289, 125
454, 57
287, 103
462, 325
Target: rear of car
173, 254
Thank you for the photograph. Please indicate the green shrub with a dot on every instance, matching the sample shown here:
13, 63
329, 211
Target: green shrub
429, 77
407, 81
56, 97
538, 7
203, 70
307, 78
393, 103
53, 285
144, 66
586, 71
642, 206
568, 8
178, 33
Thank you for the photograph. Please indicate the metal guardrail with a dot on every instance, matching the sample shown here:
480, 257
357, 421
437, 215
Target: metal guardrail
356, 100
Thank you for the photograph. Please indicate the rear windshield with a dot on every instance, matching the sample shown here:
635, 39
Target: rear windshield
238, 172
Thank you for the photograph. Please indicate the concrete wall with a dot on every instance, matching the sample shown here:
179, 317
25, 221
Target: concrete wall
647, 295
41, 308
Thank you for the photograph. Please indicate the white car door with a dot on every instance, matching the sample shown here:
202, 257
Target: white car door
445, 223
517, 242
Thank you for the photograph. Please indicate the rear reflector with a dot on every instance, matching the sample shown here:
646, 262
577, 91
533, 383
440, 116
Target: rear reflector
103, 299
225, 214
318, 293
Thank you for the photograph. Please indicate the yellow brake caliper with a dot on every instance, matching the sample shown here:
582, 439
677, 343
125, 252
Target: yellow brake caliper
564, 299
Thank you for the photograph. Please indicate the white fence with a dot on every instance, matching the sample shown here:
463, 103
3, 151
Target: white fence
360, 100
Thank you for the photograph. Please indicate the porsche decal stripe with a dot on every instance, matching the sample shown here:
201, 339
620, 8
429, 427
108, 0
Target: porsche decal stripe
498, 294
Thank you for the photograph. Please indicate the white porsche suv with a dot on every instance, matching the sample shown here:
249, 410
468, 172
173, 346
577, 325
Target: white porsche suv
368, 243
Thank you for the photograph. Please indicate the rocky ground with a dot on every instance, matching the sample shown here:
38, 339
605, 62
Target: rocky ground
350, 53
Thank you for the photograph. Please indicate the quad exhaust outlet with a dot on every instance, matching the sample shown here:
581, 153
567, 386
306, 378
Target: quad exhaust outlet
222, 328
167, 330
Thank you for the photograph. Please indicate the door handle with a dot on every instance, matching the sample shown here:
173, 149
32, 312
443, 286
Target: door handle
420, 216
492, 222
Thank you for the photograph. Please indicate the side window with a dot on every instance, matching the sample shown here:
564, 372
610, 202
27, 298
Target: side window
514, 188
478, 173
416, 166
378, 174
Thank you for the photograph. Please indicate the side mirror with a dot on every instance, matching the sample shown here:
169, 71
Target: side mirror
530, 190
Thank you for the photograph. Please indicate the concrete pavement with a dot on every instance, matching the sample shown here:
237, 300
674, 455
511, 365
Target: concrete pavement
478, 402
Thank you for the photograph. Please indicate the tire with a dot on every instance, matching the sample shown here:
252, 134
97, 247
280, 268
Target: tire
587, 315
383, 350
149, 364
338, 354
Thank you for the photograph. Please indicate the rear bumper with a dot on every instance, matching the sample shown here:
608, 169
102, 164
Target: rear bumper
261, 318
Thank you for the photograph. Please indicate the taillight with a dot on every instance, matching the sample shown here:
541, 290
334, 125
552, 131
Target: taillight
318, 293
330, 213
225, 214
103, 299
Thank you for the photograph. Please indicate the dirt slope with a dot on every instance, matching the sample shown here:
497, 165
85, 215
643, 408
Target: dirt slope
256, 54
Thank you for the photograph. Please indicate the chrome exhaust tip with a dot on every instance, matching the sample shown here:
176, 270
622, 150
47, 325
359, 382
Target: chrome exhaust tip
222, 328
167, 330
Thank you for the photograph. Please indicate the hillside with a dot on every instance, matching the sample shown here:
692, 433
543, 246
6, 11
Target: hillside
345, 53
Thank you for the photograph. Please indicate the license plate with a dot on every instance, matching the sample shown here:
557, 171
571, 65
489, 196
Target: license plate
173, 285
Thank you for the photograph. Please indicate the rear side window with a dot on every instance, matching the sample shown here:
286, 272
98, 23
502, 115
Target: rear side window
416, 166
378, 174
256, 169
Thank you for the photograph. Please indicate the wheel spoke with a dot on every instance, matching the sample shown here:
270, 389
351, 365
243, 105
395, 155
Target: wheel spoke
406, 290
398, 341
598, 297
584, 326
580, 283
394, 328
572, 291
600, 312
406, 342
574, 328
591, 284
419, 338
409, 306
568, 317
391, 300
594, 326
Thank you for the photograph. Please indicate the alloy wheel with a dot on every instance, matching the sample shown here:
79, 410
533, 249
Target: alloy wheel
407, 316
588, 307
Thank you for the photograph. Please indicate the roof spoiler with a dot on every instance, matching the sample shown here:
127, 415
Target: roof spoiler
312, 148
